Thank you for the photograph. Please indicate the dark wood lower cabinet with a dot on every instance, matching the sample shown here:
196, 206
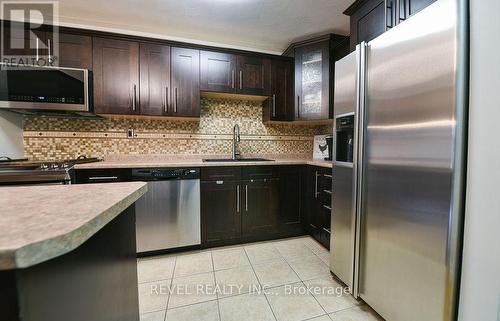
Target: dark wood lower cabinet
250, 204
261, 207
220, 211
317, 198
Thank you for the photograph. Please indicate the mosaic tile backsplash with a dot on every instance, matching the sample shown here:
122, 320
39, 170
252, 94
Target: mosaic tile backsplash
54, 138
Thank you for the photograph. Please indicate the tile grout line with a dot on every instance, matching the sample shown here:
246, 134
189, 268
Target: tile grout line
215, 283
261, 286
170, 288
302, 281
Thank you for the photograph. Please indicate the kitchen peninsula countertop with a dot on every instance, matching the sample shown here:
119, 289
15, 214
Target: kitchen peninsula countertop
196, 161
39, 223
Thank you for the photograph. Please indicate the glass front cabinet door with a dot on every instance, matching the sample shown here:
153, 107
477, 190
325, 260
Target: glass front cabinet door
312, 81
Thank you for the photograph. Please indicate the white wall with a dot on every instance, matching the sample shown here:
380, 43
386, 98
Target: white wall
480, 289
11, 135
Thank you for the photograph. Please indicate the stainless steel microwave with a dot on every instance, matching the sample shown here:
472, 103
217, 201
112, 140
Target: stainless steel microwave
45, 88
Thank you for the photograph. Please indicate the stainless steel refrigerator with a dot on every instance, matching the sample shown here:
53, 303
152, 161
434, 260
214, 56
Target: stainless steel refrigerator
399, 146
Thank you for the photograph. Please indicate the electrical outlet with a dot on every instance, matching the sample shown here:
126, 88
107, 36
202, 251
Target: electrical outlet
130, 133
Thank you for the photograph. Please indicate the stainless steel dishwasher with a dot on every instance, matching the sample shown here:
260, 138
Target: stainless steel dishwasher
168, 215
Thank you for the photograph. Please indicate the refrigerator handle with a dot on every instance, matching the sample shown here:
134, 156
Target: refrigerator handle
357, 205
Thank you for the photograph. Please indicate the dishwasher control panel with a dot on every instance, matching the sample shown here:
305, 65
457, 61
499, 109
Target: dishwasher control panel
165, 173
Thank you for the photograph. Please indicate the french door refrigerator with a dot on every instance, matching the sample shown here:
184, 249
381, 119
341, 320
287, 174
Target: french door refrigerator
400, 135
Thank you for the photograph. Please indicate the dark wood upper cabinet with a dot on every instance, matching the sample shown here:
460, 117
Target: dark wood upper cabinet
116, 76
315, 75
261, 207
217, 71
237, 74
185, 82
75, 51
280, 105
408, 8
371, 18
368, 20
251, 75
312, 81
155, 79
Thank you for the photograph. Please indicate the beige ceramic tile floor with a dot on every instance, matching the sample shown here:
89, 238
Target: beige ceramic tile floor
283, 280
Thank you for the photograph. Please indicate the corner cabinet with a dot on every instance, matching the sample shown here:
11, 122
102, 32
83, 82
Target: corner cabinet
371, 18
314, 75
312, 81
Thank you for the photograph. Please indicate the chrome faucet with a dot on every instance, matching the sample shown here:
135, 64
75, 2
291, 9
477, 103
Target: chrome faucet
236, 141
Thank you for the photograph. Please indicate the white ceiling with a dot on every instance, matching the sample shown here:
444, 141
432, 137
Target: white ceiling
260, 25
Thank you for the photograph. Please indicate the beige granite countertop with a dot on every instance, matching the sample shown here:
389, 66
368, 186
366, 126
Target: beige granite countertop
38, 223
145, 161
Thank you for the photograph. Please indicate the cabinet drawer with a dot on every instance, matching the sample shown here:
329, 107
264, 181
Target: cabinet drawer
220, 173
258, 172
89, 176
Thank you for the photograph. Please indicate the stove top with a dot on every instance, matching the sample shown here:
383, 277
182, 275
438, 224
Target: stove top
49, 172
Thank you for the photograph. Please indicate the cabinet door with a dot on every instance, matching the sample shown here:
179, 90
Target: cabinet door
369, 21
220, 211
75, 51
18, 43
185, 80
155, 79
251, 73
281, 101
313, 219
218, 72
289, 199
407, 8
116, 76
260, 208
312, 81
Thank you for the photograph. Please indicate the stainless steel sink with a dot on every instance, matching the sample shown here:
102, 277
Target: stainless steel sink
237, 160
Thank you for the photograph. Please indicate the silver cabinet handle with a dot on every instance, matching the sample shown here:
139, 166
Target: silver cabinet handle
316, 185
219, 182
328, 175
274, 105
327, 207
232, 78
327, 191
175, 100
134, 98
246, 198
298, 106
103, 178
37, 55
48, 44
241, 79
165, 105
238, 198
